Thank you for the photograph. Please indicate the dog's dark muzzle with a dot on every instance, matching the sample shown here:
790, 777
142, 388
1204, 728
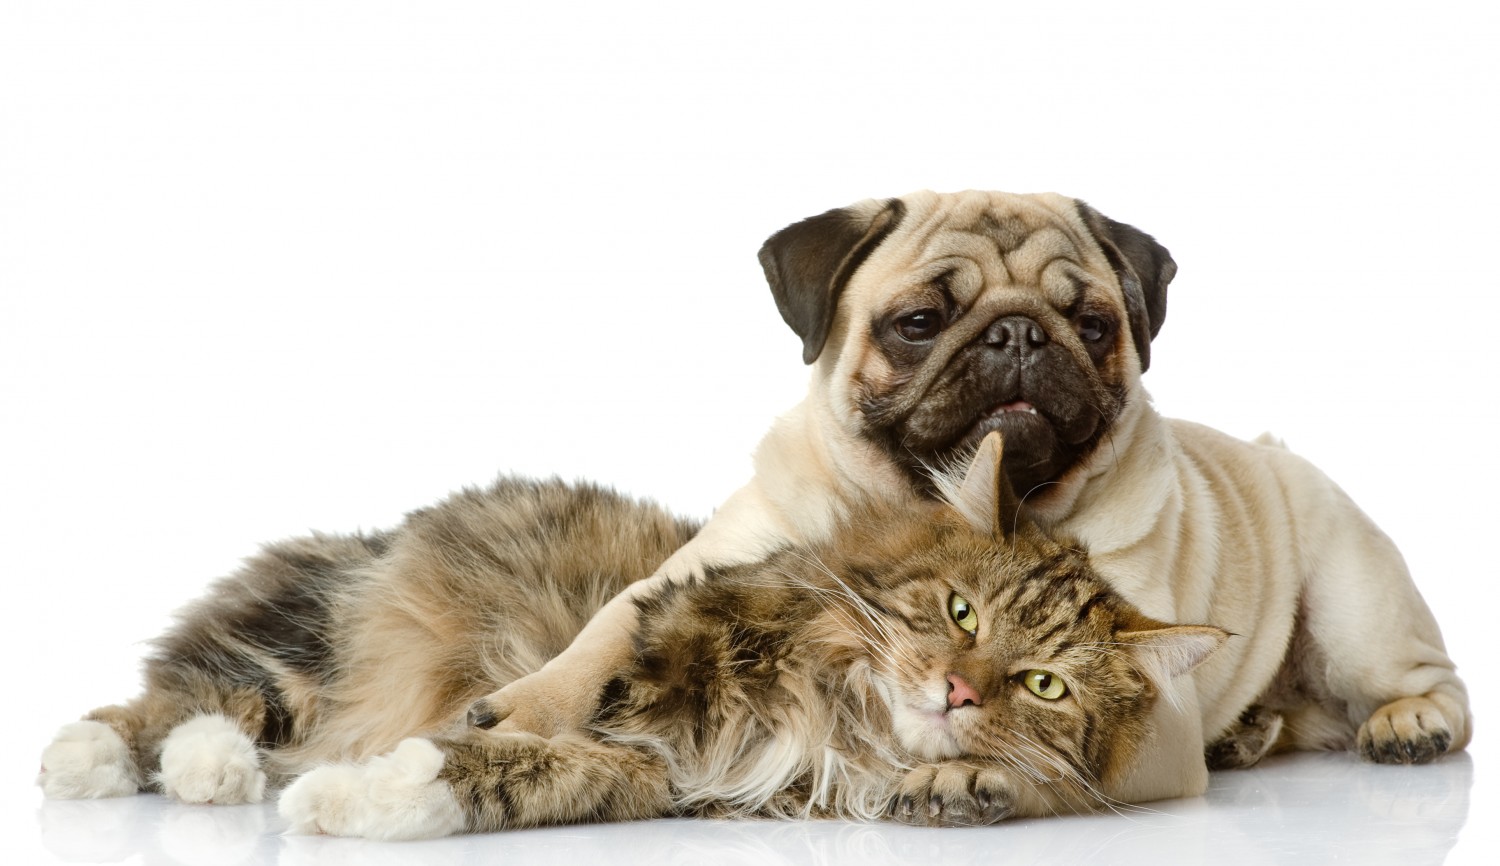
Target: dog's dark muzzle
1020, 335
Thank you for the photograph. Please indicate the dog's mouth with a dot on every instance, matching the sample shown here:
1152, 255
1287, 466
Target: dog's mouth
1031, 440
1048, 424
1014, 416
1013, 406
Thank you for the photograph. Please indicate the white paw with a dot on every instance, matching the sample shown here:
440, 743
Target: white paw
87, 760
395, 796
210, 760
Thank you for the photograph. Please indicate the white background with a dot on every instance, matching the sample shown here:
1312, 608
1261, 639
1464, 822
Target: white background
267, 267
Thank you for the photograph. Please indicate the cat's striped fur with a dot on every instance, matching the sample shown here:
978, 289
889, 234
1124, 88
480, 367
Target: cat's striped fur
818, 682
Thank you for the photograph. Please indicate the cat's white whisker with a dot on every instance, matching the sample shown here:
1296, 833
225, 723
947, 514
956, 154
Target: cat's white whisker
892, 641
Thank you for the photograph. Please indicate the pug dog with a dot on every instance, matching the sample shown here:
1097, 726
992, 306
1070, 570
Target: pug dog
932, 320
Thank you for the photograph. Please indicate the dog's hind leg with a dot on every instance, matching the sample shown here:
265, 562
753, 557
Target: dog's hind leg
1384, 663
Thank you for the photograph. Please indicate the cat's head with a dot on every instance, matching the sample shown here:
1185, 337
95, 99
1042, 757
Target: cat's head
989, 639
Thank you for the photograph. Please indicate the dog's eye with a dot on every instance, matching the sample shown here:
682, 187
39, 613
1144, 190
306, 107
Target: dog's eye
920, 326
1091, 329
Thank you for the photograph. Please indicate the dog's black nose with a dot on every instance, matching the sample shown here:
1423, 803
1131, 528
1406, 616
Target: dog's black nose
1015, 332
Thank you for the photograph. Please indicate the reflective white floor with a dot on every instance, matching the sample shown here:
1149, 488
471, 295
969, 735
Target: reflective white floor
1305, 808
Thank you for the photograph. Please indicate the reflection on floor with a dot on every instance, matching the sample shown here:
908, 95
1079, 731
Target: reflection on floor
1312, 808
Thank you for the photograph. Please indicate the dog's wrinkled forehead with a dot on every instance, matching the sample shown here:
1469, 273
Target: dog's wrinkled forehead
984, 241
850, 260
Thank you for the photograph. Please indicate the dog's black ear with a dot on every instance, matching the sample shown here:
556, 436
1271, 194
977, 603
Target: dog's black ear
809, 263
1144, 268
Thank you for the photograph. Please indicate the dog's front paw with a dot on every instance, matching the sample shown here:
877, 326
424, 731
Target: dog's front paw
210, 760
1405, 731
393, 797
85, 761
532, 705
954, 793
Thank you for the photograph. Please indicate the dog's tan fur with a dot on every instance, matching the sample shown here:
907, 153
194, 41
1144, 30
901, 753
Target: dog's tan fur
1190, 524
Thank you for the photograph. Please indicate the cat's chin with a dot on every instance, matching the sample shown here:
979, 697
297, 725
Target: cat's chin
927, 734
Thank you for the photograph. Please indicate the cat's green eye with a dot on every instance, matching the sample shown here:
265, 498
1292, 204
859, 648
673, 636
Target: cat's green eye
1046, 685
963, 613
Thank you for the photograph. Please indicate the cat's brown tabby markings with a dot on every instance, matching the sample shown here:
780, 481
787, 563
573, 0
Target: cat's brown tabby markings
953, 667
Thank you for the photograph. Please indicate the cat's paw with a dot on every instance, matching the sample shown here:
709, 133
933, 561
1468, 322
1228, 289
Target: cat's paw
1405, 731
533, 705
85, 761
1248, 740
954, 793
210, 760
393, 797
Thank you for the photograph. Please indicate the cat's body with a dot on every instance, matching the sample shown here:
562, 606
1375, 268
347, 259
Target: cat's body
335, 647
838, 679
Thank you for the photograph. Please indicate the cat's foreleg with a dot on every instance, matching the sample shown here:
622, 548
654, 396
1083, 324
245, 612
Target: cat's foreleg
479, 782
964, 793
392, 797
521, 780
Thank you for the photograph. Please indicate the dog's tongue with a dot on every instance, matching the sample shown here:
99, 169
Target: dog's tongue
1018, 406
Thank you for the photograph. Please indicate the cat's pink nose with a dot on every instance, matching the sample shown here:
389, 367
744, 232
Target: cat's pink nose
961, 693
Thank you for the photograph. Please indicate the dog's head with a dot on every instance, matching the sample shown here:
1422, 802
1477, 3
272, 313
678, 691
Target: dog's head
935, 319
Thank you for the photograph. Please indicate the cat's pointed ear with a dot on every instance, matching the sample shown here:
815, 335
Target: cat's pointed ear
1172, 650
984, 496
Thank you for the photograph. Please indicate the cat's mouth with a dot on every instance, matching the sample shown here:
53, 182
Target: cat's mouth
920, 720
925, 731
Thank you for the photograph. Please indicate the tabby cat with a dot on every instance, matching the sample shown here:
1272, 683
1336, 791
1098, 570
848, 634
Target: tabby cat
957, 667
